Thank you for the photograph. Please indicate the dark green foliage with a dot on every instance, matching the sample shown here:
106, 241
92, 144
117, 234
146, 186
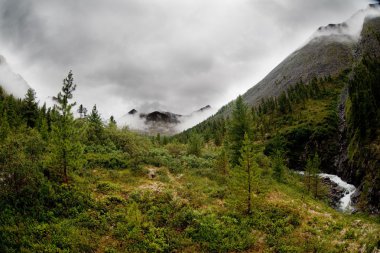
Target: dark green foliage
363, 113
65, 146
278, 164
21, 175
30, 108
82, 111
248, 167
312, 170
95, 128
195, 145
239, 125
221, 234
365, 96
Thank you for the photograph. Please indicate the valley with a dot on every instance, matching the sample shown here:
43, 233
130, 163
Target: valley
292, 165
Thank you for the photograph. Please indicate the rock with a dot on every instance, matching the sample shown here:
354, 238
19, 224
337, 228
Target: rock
336, 192
132, 112
152, 173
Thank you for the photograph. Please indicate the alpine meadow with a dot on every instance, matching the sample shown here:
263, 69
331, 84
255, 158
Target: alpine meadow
290, 165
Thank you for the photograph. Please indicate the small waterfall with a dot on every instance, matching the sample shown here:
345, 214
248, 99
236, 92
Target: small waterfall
345, 203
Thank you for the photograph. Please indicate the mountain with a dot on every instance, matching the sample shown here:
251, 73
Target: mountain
163, 117
341, 124
11, 82
330, 50
163, 122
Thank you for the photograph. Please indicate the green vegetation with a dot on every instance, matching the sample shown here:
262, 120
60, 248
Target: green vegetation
363, 116
81, 185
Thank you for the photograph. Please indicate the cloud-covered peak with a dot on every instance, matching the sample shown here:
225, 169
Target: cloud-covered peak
349, 30
12, 83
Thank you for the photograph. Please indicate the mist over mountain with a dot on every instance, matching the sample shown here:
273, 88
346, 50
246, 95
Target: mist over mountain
164, 122
330, 50
290, 166
12, 83
344, 59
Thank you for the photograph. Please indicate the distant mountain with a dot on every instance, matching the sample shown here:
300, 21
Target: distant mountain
132, 112
163, 117
162, 122
207, 107
11, 82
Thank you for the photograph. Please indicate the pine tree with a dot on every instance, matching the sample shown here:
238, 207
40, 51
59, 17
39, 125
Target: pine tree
65, 145
112, 123
239, 125
247, 166
82, 111
30, 108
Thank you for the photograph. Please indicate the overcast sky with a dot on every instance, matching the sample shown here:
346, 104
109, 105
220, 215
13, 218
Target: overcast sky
176, 55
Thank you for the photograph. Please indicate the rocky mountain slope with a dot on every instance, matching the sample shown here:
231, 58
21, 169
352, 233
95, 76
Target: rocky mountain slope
330, 51
324, 125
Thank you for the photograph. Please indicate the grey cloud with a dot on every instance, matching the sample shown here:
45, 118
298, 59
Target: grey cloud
170, 54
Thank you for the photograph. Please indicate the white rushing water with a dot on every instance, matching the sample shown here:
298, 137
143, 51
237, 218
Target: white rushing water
345, 203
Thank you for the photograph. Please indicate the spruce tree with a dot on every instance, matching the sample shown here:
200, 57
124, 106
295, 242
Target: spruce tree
30, 108
95, 131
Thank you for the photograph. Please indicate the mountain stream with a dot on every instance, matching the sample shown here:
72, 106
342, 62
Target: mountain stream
345, 203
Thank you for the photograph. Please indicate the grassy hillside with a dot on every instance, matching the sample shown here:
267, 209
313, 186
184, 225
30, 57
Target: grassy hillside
123, 210
111, 190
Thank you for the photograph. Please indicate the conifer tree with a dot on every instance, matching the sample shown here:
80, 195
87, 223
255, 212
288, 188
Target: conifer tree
82, 111
65, 145
30, 108
112, 123
4, 127
96, 127
248, 167
239, 125
221, 163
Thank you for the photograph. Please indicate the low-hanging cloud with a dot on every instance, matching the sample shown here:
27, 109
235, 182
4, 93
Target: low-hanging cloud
11, 82
349, 30
176, 55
